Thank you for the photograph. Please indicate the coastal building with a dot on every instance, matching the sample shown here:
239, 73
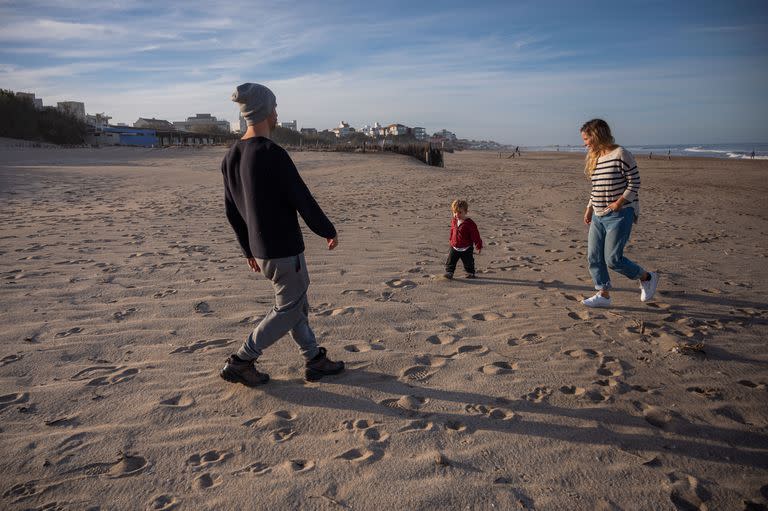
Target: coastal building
74, 108
445, 135
343, 130
97, 120
397, 129
203, 123
420, 133
291, 125
122, 135
154, 124
308, 131
30, 96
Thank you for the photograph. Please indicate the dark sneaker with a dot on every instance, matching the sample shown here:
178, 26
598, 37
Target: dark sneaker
448, 276
321, 366
471, 276
242, 371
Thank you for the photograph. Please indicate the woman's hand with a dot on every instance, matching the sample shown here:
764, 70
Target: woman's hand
588, 216
615, 206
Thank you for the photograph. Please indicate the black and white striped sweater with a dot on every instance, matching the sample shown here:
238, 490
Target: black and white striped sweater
615, 175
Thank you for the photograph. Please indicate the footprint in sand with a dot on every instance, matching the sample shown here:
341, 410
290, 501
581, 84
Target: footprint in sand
362, 347
121, 315
526, 340
282, 435
357, 292
582, 316
657, 417
441, 339
583, 353
64, 422
90, 372
418, 373
127, 466
299, 466
203, 308
119, 377
163, 503
538, 395
9, 359
418, 425
488, 316
256, 468
706, 392
341, 311
366, 428
752, 385
405, 403
471, 349
273, 420
178, 401
13, 399
204, 345
503, 414
163, 294
686, 492
202, 461
610, 366
206, 481
572, 390
498, 368
454, 425
67, 333
400, 284
361, 455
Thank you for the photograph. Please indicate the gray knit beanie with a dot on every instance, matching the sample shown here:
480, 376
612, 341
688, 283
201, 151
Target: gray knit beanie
256, 102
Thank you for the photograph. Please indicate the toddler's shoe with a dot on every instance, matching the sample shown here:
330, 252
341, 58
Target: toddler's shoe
597, 301
448, 276
471, 276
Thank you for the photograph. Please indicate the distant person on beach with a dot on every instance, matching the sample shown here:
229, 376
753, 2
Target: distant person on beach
262, 194
650, 155
464, 236
613, 207
752, 156
517, 150
669, 154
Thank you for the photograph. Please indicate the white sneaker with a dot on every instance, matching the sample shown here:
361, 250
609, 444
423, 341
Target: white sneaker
597, 301
648, 287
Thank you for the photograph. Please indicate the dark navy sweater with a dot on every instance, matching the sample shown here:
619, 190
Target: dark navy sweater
262, 194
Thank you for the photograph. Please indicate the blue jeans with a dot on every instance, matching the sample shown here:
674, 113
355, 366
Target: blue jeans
608, 235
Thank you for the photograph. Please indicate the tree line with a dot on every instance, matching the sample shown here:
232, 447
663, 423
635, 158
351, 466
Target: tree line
20, 119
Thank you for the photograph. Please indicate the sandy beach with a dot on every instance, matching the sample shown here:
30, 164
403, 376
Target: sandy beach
123, 290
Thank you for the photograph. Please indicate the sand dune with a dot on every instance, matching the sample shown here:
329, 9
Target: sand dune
123, 291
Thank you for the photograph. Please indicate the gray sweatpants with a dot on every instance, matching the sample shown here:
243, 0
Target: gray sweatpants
290, 314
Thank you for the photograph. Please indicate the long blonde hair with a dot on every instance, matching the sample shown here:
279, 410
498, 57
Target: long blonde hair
598, 131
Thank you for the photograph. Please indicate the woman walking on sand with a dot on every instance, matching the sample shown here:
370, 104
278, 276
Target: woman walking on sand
614, 205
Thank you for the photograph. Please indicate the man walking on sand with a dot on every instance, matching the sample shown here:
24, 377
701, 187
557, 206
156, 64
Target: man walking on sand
263, 193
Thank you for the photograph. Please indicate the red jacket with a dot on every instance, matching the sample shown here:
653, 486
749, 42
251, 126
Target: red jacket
465, 234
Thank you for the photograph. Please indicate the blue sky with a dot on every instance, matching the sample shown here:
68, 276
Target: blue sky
520, 72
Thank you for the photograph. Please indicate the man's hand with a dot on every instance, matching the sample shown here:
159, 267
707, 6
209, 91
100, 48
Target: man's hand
253, 265
332, 242
588, 216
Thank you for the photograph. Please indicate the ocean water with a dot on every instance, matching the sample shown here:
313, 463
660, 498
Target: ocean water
730, 151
